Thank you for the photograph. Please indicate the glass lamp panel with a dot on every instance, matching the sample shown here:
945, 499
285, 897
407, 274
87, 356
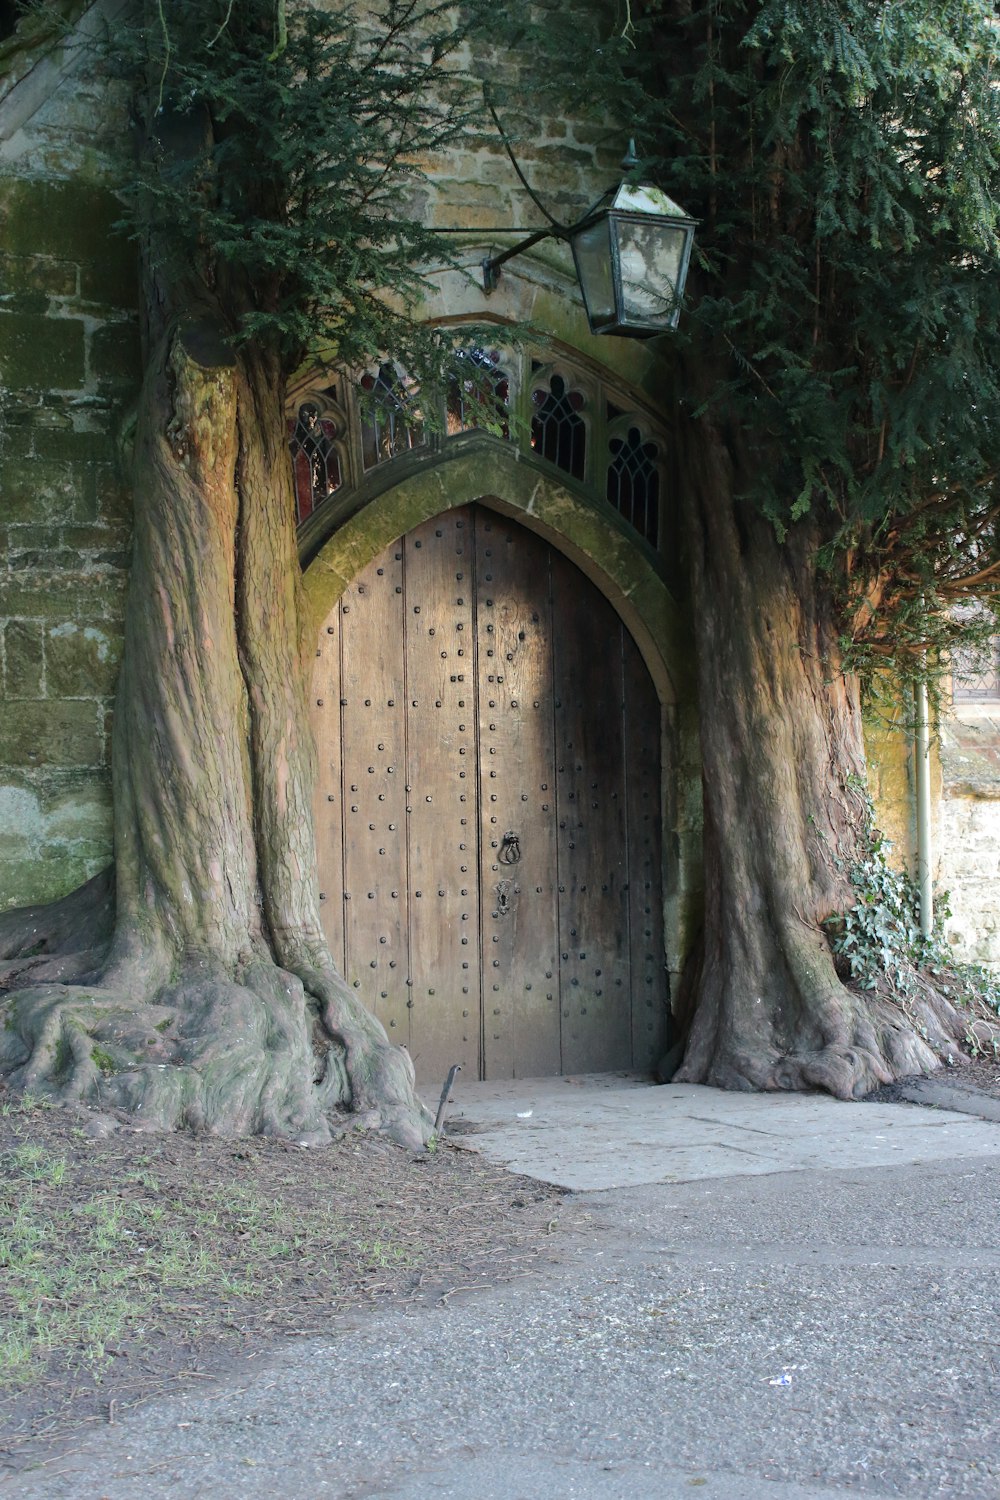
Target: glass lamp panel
651, 259
592, 252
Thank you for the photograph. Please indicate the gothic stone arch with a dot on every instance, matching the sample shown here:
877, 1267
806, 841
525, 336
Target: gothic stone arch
488, 475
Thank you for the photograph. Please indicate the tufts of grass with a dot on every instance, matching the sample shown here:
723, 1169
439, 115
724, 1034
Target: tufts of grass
83, 1273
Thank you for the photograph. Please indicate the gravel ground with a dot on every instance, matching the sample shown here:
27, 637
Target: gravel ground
794, 1335
786, 1336
135, 1264
978, 1073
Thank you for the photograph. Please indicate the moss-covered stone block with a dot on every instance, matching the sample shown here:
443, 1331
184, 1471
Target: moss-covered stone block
78, 814
81, 660
47, 558
24, 659
25, 302
889, 752
108, 496
95, 539
37, 351
26, 538
70, 220
55, 810
35, 491
107, 731
113, 278
28, 880
90, 597
76, 447
18, 441
114, 354
61, 551
37, 273
52, 734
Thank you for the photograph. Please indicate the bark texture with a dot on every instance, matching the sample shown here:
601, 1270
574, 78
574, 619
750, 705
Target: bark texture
216, 1003
785, 813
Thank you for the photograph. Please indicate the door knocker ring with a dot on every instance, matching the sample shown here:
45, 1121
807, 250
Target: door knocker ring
510, 849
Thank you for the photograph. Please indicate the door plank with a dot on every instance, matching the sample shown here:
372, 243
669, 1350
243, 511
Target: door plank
516, 753
374, 761
442, 825
328, 801
591, 808
650, 1000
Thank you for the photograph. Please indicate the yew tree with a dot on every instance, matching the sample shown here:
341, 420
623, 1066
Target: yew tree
834, 398
275, 151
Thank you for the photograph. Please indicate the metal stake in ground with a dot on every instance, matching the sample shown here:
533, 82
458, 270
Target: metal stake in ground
443, 1103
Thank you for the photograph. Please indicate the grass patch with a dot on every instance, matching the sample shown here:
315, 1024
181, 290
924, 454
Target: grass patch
86, 1271
129, 1261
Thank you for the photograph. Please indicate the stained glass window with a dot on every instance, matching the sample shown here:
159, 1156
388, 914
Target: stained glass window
558, 432
577, 422
480, 398
390, 421
315, 460
633, 485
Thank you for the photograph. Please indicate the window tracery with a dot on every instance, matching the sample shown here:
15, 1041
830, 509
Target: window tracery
391, 422
480, 398
316, 466
558, 431
633, 476
559, 415
975, 677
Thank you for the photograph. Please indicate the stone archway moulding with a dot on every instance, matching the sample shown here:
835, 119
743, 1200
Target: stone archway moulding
605, 552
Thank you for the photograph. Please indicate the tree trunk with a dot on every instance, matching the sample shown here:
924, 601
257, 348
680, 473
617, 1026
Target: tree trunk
785, 811
218, 1004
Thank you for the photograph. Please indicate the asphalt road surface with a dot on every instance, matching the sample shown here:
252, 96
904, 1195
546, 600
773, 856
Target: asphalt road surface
773, 1336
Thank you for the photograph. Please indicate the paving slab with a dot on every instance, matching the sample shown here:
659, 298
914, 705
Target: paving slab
610, 1130
945, 1093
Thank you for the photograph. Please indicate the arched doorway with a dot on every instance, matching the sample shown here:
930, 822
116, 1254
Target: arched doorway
488, 806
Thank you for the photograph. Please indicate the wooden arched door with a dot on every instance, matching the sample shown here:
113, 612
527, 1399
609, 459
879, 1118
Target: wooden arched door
488, 807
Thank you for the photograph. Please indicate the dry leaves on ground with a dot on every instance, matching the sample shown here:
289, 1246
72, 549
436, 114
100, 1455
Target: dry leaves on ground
131, 1263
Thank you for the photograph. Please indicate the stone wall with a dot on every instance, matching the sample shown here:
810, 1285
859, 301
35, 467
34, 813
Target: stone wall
969, 837
965, 831
890, 780
68, 372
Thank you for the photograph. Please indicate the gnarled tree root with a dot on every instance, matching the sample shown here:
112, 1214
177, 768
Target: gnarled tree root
227, 1056
61, 942
852, 1044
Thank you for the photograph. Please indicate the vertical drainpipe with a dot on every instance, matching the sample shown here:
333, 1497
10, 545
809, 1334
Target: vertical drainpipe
922, 749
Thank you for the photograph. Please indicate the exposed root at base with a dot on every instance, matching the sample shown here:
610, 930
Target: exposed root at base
863, 1043
62, 942
210, 1053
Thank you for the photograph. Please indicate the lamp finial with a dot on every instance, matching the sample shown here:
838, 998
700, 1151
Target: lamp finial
630, 160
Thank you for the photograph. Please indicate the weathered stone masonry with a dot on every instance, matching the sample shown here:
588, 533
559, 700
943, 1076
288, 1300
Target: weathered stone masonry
68, 358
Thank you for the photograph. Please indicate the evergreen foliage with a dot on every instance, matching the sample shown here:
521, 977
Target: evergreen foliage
281, 154
843, 157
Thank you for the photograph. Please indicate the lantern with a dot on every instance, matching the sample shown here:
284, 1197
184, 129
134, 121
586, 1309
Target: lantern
632, 255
